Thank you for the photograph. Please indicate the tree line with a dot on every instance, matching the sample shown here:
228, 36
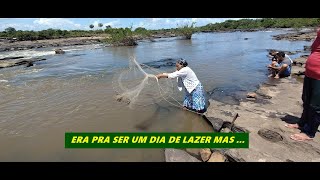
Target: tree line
125, 35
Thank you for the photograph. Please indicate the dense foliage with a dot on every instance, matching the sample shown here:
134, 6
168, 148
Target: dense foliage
127, 36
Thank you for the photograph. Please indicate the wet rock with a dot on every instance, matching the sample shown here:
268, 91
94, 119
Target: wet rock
195, 152
217, 157
225, 130
264, 93
273, 52
177, 155
216, 123
17, 62
251, 99
298, 70
274, 145
270, 135
299, 61
251, 95
14, 57
169, 62
28, 64
233, 156
307, 48
298, 36
59, 51
205, 154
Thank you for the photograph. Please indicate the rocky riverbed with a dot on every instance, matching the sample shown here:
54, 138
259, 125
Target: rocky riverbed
264, 115
24, 45
306, 35
14, 45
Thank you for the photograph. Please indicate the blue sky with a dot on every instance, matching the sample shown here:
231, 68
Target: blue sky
37, 24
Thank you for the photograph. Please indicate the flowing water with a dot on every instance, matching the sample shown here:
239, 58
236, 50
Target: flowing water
73, 92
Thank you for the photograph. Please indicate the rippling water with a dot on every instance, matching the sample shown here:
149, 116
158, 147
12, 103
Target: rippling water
73, 92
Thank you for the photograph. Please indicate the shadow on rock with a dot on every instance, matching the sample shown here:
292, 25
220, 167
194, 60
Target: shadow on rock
290, 119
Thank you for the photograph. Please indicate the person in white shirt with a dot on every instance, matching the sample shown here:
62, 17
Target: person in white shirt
194, 94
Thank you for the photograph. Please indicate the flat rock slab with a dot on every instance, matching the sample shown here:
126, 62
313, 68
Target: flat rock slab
269, 139
177, 155
18, 62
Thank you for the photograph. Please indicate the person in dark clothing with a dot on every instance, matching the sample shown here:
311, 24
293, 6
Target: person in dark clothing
310, 118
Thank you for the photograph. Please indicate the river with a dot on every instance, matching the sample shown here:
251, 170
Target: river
73, 92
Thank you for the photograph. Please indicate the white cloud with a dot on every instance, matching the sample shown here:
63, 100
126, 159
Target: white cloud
159, 23
205, 21
39, 24
114, 24
95, 23
67, 24
154, 20
56, 23
17, 26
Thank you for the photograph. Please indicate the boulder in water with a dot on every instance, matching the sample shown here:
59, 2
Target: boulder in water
59, 51
251, 95
28, 64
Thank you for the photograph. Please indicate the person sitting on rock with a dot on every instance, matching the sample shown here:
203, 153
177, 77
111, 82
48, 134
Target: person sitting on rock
282, 68
274, 61
272, 55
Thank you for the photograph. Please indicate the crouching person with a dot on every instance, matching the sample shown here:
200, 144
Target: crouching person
282, 68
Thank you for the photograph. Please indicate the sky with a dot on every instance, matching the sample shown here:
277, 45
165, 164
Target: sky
38, 24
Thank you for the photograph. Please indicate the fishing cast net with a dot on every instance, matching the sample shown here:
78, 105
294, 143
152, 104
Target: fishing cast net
138, 86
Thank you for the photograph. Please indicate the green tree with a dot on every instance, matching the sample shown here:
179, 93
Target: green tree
91, 26
121, 37
100, 24
10, 30
186, 30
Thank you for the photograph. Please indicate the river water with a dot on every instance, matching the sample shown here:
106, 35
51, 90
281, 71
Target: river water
73, 92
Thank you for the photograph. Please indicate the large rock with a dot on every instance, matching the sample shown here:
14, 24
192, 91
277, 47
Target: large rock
298, 36
59, 51
177, 155
251, 95
299, 61
17, 62
233, 156
216, 123
298, 70
307, 48
217, 157
205, 154
285, 106
10, 58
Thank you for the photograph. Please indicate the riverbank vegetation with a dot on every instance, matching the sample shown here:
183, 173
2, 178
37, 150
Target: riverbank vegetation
127, 36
